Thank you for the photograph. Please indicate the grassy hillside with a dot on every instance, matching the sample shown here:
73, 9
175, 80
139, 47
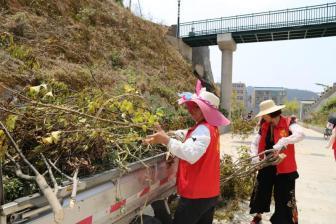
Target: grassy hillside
83, 81
66, 40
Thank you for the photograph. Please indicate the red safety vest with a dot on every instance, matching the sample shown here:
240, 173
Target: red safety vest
201, 179
288, 165
334, 145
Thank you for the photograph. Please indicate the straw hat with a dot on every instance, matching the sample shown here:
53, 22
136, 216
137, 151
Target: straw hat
267, 107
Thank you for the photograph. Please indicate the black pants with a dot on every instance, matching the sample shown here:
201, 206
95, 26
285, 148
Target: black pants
285, 204
284, 195
262, 193
195, 211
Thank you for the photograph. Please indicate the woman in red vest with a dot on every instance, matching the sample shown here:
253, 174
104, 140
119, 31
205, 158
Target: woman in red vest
332, 140
280, 133
198, 175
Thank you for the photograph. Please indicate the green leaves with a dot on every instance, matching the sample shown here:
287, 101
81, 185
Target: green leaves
329, 105
138, 117
53, 138
292, 107
160, 112
20, 52
11, 121
86, 128
128, 89
3, 145
92, 107
126, 107
15, 188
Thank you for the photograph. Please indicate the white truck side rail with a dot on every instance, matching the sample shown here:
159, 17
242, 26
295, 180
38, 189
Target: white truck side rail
114, 196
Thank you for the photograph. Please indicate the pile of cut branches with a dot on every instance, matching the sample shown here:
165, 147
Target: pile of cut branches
88, 130
86, 85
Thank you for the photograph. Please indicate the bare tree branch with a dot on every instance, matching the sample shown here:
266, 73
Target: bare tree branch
18, 150
52, 177
10, 111
243, 168
122, 124
58, 170
74, 189
18, 170
94, 79
40, 180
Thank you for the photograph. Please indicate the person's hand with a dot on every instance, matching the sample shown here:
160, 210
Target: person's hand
259, 167
171, 133
276, 153
160, 137
279, 159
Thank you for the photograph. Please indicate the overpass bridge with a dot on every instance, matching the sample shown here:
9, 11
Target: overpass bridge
296, 23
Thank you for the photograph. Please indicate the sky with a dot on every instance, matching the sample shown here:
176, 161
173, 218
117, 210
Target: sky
297, 64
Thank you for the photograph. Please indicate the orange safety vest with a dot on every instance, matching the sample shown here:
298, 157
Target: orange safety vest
201, 179
288, 165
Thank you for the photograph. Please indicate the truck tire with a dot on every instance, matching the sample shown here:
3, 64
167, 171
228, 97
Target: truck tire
161, 211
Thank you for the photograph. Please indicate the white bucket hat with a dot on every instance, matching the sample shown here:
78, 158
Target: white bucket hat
267, 107
208, 103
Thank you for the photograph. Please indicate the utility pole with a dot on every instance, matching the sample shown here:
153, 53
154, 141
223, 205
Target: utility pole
178, 19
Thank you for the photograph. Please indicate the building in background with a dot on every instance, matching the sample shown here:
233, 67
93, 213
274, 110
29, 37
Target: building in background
305, 108
259, 94
240, 91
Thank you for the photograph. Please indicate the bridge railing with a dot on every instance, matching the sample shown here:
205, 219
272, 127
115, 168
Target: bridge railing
303, 16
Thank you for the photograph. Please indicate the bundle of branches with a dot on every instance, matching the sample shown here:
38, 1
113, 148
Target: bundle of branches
88, 129
244, 167
238, 176
234, 188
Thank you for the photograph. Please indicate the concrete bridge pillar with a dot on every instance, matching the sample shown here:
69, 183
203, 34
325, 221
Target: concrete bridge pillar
227, 45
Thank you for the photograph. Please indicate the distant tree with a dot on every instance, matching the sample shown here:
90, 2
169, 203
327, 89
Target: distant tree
237, 107
292, 107
121, 2
329, 105
239, 124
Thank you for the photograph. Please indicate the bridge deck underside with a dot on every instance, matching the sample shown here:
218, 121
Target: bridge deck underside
290, 33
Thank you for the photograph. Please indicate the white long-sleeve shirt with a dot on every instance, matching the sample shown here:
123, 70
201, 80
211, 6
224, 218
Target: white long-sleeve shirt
296, 136
332, 138
194, 147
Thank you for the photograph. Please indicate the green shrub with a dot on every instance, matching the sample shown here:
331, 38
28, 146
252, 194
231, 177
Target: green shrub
236, 189
330, 105
242, 127
87, 16
116, 59
320, 117
15, 188
120, 2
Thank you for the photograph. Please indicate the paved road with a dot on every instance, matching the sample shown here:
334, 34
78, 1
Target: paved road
316, 187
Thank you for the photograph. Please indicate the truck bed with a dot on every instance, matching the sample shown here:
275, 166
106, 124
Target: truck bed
114, 196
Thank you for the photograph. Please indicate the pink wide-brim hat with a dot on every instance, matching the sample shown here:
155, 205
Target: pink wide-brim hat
208, 103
